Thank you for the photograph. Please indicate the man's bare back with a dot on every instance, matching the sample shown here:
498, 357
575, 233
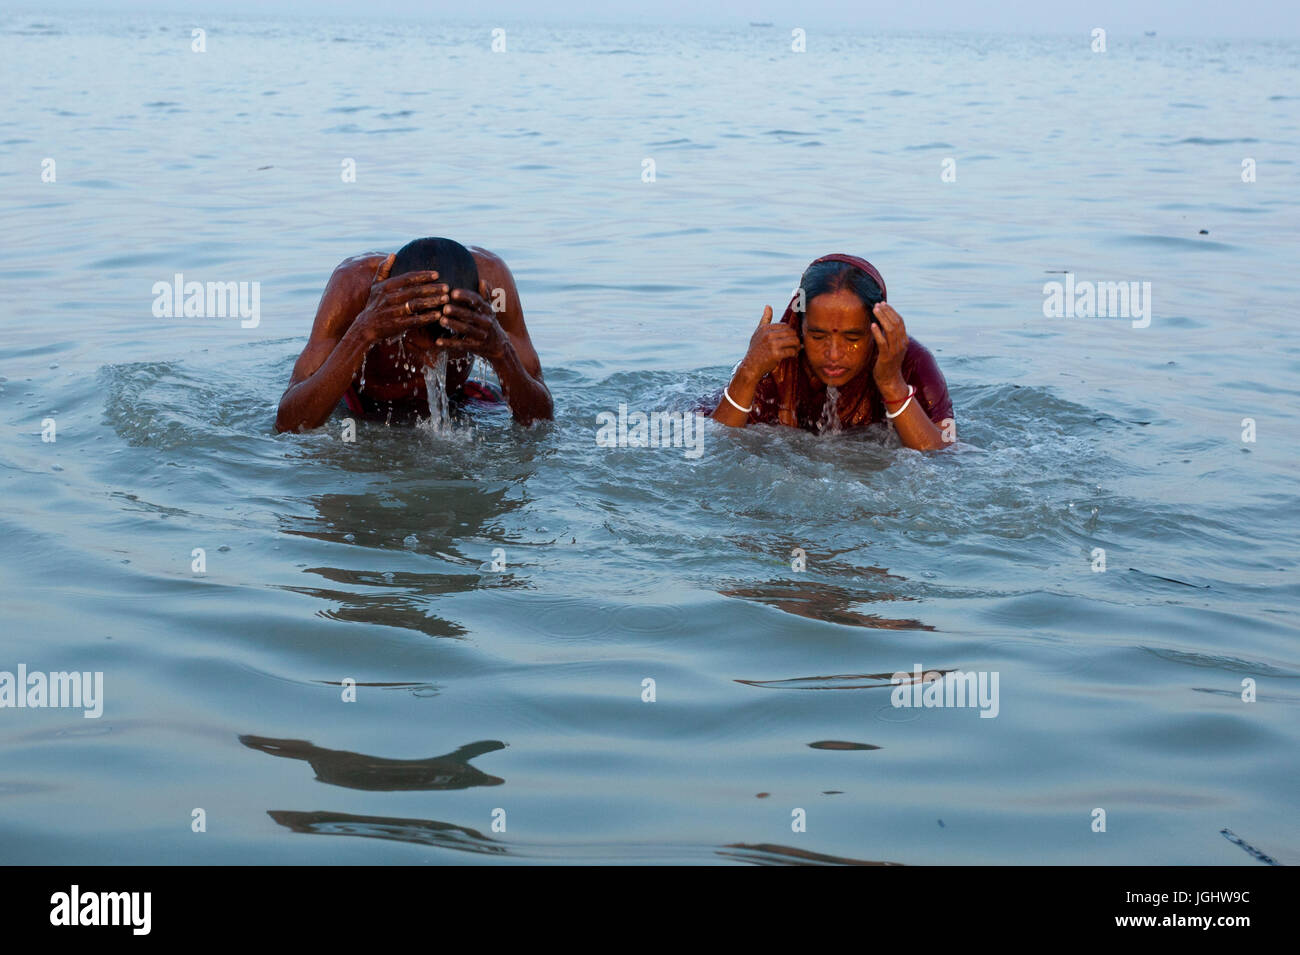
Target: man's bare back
375, 332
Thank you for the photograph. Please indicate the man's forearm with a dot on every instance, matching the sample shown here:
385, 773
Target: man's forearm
308, 404
529, 399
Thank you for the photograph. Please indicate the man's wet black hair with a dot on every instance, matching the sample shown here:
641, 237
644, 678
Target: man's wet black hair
452, 261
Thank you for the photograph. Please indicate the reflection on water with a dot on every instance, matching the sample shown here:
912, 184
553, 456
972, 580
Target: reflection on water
445, 835
846, 681
766, 853
391, 599
425, 832
425, 516
826, 602
379, 774
429, 503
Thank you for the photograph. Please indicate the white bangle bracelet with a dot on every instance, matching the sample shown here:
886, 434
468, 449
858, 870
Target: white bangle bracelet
733, 403
895, 414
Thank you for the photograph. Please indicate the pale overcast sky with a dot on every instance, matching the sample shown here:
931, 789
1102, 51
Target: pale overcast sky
1276, 19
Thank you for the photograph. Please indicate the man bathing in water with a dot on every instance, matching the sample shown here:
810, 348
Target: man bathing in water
383, 319
838, 332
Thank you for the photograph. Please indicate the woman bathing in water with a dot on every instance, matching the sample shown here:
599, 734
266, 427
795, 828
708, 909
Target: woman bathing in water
840, 346
384, 319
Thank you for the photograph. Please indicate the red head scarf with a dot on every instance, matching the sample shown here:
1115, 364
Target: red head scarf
792, 395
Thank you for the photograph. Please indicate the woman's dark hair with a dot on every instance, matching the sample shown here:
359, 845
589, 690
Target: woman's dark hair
452, 261
824, 277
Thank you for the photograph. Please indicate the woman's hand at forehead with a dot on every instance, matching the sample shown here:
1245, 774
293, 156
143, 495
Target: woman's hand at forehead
891, 345
769, 345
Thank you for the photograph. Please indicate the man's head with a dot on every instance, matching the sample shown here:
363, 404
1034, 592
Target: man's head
452, 261
836, 328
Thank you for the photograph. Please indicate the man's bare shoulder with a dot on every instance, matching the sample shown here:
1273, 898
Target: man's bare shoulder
345, 294
357, 271
492, 268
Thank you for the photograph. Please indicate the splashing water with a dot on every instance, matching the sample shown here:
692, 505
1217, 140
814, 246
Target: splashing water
829, 423
435, 386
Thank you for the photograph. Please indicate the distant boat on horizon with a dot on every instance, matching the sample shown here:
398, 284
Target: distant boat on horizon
755, 23
1151, 33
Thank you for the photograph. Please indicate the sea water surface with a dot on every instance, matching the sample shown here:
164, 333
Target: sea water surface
500, 595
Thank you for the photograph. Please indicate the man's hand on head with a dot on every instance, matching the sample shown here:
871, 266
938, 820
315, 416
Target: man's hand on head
471, 325
400, 303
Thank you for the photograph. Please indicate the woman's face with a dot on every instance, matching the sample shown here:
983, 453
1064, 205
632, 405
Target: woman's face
837, 337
